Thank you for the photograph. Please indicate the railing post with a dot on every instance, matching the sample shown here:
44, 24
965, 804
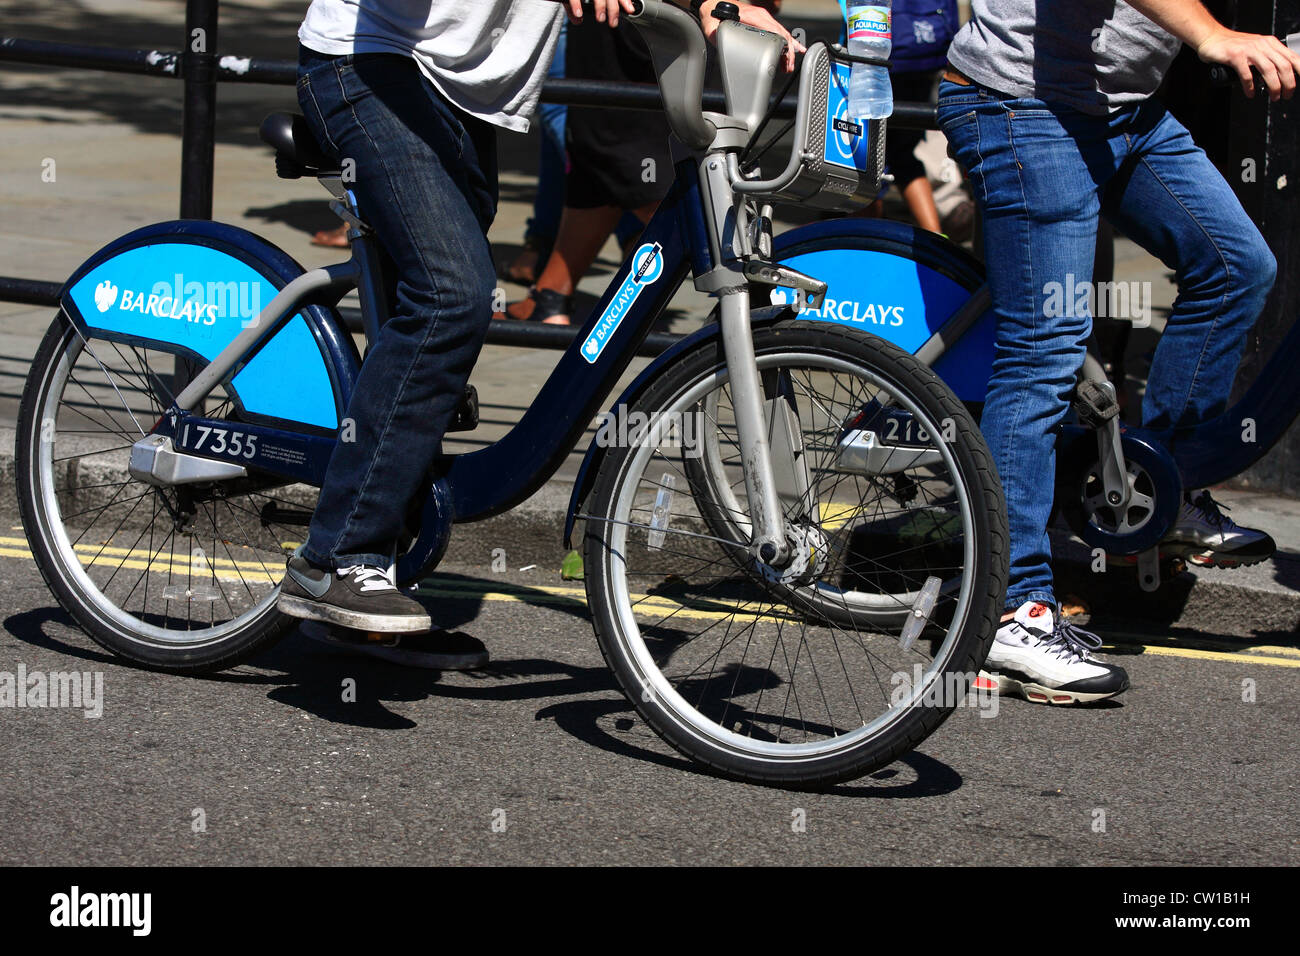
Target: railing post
199, 67
198, 132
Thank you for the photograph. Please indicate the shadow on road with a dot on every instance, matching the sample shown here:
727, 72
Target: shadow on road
584, 702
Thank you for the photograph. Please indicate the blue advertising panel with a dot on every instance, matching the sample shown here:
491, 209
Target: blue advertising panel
903, 302
200, 298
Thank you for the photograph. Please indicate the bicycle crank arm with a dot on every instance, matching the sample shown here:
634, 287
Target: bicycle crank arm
812, 290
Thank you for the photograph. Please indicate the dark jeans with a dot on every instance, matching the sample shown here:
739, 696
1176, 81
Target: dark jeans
1042, 175
426, 182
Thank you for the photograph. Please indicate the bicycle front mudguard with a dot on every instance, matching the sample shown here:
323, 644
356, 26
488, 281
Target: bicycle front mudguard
188, 287
894, 281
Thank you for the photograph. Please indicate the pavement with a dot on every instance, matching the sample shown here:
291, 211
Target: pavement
416, 771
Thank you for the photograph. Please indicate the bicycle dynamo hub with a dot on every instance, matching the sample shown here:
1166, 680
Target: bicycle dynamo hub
808, 547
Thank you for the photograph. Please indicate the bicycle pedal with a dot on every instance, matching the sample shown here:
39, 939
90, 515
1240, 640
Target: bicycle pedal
466, 417
1095, 403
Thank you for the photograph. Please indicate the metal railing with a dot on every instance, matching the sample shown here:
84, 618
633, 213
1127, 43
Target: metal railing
200, 70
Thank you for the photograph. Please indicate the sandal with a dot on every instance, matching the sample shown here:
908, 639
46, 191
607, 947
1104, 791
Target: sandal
547, 303
540, 249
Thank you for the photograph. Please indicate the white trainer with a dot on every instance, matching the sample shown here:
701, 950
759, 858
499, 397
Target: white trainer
1047, 660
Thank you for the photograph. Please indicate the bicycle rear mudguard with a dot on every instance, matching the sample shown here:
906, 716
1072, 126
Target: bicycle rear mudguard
188, 287
897, 282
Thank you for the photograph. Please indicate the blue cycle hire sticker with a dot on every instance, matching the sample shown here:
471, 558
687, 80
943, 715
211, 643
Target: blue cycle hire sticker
846, 142
647, 267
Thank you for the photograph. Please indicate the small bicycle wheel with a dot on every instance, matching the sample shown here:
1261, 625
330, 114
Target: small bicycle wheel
183, 578
806, 674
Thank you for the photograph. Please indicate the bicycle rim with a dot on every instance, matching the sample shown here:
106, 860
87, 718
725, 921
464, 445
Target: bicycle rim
737, 663
176, 567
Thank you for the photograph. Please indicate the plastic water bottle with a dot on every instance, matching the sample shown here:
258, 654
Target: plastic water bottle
868, 28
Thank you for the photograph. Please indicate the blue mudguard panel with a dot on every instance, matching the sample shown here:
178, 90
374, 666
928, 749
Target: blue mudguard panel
193, 291
891, 282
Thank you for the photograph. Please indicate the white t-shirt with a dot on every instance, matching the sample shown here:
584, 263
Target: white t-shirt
488, 57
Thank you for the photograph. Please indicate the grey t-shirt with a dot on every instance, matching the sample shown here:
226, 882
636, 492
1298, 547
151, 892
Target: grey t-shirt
1092, 55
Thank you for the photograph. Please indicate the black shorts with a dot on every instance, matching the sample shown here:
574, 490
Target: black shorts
617, 157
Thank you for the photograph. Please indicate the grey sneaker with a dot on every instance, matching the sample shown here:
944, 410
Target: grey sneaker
360, 597
1205, 536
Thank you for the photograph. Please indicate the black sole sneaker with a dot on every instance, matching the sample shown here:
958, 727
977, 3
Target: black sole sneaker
1253, 552
1206, 537
1022, 686
362, 598
436, 650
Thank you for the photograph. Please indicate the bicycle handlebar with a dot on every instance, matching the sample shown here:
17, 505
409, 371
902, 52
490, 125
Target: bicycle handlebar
679, 54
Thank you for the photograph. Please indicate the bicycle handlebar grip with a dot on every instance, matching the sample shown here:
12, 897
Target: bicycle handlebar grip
678, 51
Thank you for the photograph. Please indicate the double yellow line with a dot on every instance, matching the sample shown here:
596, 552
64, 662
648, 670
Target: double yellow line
575, 598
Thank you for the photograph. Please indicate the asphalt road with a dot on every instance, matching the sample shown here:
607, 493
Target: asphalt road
419, 769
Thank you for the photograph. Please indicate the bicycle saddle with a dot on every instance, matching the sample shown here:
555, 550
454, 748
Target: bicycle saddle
297, 153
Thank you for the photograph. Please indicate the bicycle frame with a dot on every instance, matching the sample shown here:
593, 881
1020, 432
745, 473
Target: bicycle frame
186, 447
487, 481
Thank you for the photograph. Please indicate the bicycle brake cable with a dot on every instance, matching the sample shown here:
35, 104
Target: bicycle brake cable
747, 156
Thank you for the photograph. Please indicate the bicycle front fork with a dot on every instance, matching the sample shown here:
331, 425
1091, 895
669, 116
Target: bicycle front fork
768, 542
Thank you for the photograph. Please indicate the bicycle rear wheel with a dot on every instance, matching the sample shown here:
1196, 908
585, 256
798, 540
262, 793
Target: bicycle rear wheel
807, 675
182, 578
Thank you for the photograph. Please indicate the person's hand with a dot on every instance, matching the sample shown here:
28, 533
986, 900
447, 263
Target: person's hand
1240, 51
755, 16
605, 11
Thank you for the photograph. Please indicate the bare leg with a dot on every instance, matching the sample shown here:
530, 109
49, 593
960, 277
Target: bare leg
920, 200
582, 234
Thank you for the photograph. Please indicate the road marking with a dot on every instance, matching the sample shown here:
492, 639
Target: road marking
543, 595
1235, 657
180, 565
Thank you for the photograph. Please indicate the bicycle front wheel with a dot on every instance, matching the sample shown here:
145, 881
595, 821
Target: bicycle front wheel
807, 674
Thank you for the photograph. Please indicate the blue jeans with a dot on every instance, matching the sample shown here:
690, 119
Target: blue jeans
426, 182
1042, 175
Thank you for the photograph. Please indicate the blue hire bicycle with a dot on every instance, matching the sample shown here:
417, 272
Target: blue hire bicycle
1117, 486
792, 531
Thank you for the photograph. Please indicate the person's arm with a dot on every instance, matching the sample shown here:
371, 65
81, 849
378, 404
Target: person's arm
608, 11
755, 15
1214, 43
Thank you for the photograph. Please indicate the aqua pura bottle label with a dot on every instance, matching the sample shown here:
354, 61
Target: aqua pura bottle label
868, 22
